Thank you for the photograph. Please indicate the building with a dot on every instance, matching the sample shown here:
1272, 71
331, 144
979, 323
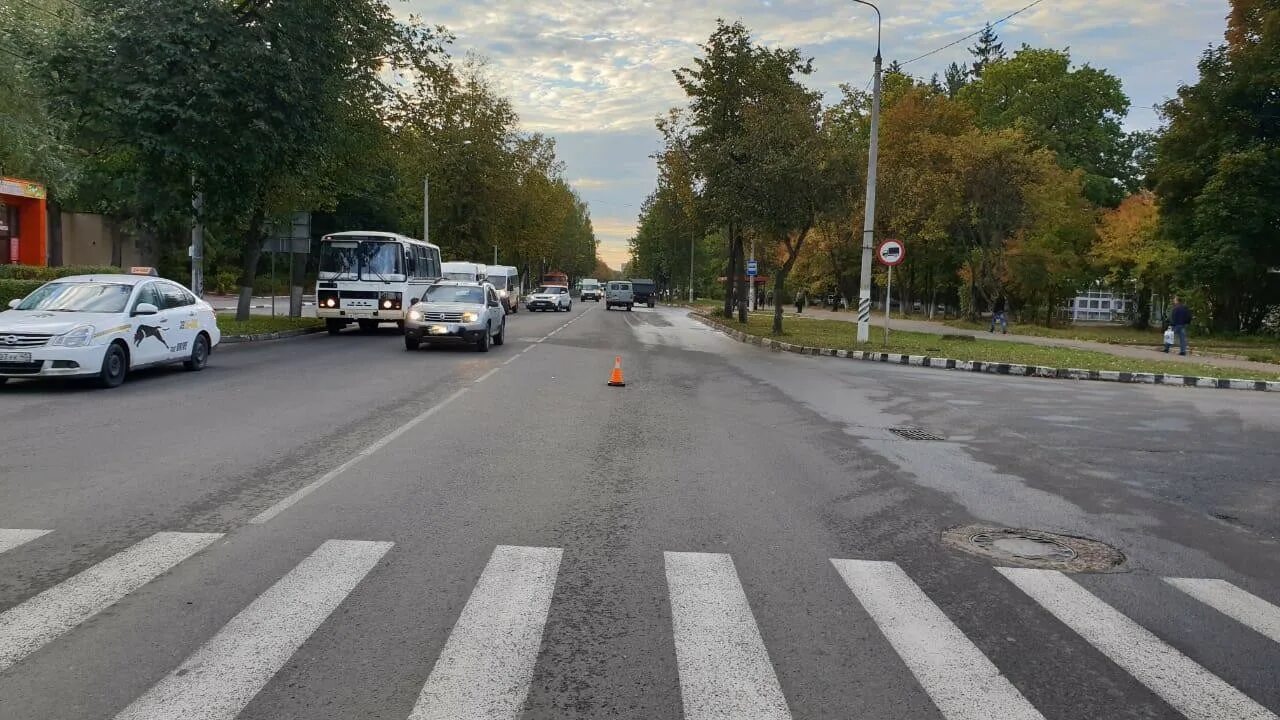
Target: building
1098, 305
24, 236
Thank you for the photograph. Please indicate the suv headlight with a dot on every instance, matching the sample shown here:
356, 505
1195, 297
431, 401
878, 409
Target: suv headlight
76, 337
470, 317
415, 315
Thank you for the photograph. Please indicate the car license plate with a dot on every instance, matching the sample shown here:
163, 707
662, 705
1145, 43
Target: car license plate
437, 330
15, 357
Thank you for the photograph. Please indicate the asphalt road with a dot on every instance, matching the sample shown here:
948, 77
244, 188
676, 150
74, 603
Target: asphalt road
335, 528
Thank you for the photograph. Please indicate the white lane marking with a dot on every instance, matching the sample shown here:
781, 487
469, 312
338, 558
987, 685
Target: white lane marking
725, 672
1239, 605
1188, 687
511, 359
220, 678
42, 619
10, 539
486, 667
960, 680
485, 376
528, 348
301, 493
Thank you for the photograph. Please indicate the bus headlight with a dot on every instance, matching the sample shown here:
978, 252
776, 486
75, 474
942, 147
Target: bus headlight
389, 300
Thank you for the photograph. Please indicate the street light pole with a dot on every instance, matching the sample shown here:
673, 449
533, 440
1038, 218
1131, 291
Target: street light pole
692, 236
869, 217
426, 208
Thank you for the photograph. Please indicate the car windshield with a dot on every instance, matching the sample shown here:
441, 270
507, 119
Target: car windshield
465, 294
460, 276
545, 290
94, 297
361, 259
619, 286
499, 282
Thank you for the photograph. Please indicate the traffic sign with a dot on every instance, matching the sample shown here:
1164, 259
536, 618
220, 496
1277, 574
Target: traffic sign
752, 268
891, 252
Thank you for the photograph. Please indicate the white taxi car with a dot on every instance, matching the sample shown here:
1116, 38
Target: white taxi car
105, 326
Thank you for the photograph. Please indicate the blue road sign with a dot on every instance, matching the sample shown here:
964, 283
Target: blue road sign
752, 268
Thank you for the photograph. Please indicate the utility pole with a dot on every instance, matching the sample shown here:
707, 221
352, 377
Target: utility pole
495, 254
691, 239
426, 208
751, 299
869, 217
197, 245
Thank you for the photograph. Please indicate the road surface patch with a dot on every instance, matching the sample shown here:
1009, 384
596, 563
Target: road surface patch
960, 680
486, 667
220, 678
1179, 680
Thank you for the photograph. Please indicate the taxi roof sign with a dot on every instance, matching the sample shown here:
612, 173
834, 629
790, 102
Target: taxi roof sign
150, 271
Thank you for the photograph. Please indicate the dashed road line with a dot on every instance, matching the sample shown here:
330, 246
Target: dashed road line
10, 539
486, 376
1239, 605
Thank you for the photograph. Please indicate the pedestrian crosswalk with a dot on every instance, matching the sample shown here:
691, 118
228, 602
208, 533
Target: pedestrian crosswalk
488, 660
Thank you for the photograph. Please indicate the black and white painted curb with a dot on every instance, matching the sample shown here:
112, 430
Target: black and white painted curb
979, 366
261, 337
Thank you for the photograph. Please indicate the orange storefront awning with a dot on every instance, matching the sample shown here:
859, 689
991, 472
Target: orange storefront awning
27, 228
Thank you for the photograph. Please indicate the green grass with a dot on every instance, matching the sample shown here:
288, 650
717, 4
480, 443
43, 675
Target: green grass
258, 324
841, 335
1259, 348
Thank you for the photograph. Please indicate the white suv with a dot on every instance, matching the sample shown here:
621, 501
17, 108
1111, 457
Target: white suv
618, 293
550, 297
457, 312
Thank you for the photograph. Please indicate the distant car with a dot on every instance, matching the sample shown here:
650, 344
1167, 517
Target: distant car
550, 297
105, 326
644, 291
591, 290
618, 293
457, 312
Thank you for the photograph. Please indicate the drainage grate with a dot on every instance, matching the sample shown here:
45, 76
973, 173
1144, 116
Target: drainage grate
913, 433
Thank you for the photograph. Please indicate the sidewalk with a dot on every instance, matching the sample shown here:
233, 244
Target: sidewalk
1129, 351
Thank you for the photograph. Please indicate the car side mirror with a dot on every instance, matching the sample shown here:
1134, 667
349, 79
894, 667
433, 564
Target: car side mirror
146, 309
413, 301
495, 304
14, 303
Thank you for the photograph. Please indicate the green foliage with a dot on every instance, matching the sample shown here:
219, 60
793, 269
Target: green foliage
16, 289
1075, 112
1217, 173
45, 274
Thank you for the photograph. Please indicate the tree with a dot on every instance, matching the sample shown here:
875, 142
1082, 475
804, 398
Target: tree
955, 77
1217, 173
987, 50
1075, 112
1132, 252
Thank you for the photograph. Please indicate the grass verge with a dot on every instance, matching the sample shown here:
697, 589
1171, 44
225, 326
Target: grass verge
1256, 348
260, 324
840, 335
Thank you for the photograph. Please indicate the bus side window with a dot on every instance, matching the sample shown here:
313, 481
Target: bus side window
424, 261
435, 262
410, 261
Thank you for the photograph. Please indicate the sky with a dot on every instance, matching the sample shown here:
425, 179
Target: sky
595, 74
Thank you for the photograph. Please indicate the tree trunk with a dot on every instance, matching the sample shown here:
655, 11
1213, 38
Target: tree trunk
1142, 316
252, 253
730, 273
780, 277
54, 212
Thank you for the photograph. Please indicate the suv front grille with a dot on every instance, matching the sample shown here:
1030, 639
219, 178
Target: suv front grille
442, 316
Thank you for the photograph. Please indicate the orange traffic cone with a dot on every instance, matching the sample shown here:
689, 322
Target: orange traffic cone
615, 380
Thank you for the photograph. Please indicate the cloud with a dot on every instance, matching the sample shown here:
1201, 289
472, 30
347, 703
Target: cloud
588, 183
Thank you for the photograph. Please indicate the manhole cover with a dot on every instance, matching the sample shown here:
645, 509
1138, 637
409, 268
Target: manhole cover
913, 433
1033, 548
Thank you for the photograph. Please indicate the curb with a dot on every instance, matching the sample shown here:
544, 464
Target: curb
978, 366
263, 337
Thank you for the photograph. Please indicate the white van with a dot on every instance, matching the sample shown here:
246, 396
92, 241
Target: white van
506, 280
618, 294
462, 271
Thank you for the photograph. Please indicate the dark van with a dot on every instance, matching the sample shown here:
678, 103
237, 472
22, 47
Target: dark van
645, 292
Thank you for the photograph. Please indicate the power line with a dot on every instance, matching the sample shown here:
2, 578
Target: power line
976, 32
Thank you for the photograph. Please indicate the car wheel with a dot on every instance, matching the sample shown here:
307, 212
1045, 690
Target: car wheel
199, 354
483, 343
334, 326
628, 308
501, 337
3, 380
115, 366
368, 326
411, 343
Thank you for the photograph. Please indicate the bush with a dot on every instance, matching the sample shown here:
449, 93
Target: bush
11, 289
45, 274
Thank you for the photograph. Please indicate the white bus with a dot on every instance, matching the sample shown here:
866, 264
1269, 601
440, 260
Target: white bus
369, 277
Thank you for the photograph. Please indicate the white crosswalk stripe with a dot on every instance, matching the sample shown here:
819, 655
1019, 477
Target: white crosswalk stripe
1243, 607
10, 539
1179, 680
221, 677
486, 667
960, 680
36, 622
725, 672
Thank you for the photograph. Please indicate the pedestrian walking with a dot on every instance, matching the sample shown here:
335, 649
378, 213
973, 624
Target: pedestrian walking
800, 302
998, 315
1180, 318
1168, 337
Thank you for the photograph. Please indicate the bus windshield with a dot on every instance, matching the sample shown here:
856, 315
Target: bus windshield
375, 260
